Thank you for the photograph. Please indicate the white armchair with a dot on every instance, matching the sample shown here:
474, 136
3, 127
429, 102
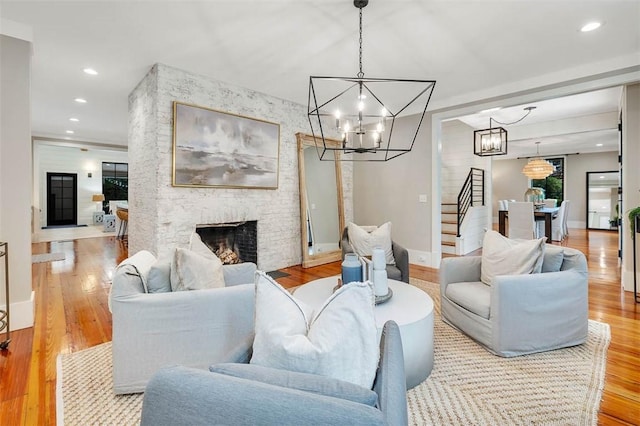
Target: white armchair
193, 328
518, 314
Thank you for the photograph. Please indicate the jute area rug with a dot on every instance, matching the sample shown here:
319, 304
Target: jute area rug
468, 385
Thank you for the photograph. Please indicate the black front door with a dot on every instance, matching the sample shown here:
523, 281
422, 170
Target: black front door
62, 199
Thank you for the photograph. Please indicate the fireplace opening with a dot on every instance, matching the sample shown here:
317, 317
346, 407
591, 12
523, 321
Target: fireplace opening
232, 242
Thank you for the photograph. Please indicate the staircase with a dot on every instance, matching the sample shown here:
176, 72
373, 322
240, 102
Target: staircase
453, 213
449, 230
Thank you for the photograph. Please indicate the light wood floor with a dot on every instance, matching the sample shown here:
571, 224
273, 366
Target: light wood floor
72, 314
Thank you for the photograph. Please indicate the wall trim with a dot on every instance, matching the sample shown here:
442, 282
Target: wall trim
22, 314
424, 258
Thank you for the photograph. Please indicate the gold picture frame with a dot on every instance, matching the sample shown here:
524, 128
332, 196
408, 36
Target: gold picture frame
217, 149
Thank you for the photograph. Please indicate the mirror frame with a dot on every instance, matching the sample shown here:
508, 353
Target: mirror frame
308, 260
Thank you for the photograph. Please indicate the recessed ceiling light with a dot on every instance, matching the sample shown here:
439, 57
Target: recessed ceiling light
74, 119
491, 109
590, 27
70, 132
601, 177
599, 144
80, 100
90, 71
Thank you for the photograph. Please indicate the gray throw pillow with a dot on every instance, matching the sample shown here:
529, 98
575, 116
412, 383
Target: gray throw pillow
553, 257
299, 381
159, 278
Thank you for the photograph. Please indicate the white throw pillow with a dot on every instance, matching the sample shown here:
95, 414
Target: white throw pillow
503, 256
196, 245
193, 271
364, 240
339, 340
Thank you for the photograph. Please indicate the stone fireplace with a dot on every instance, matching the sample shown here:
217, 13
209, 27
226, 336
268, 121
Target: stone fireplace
232, 242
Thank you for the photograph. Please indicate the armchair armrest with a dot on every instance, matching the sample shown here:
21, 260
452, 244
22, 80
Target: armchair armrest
401, 256
180, 395
241, 273
345, 245
390, 383
194, 328
539, 311
458, 270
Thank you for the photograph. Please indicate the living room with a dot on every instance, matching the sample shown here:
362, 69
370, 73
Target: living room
415, 223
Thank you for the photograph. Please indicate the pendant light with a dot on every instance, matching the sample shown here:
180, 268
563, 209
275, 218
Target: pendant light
361, 112
538, 168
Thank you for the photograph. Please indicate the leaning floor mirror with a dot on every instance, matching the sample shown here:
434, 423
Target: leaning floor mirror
321, 203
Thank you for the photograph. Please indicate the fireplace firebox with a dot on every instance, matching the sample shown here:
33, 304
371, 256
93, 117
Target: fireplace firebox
232, 242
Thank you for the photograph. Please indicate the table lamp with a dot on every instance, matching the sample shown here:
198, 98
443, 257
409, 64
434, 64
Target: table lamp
98, 199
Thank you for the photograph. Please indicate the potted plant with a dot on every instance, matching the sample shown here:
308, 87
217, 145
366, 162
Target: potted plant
632, 219
615, 220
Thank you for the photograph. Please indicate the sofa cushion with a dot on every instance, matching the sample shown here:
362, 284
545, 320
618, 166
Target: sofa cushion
504, 256
159, 279
473, 296
553, 257
193, 271
364, 241
338, 340
300, 381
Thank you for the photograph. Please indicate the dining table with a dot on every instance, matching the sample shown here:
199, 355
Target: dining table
544, 213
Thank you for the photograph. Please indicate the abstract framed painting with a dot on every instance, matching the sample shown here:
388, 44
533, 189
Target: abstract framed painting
218, 149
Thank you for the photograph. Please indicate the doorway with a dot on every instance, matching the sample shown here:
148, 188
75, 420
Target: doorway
603, 208
62, 199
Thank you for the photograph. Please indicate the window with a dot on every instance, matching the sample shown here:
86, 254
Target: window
115, 182
553, 184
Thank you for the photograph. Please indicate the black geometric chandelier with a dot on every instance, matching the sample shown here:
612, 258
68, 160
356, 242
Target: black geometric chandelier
493, 141
362, 113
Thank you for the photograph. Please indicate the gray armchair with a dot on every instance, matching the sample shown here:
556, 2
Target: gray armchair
247, 394
193, 328
398, 272
517, 314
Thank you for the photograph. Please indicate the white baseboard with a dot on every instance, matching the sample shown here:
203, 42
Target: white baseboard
424, 258
627, 281
22, 314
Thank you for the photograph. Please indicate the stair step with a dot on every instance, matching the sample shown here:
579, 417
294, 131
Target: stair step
449, 232
449, 204
448, 250
449, 243
450, 222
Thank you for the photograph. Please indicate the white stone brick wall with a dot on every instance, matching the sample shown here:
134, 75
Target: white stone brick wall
162, 217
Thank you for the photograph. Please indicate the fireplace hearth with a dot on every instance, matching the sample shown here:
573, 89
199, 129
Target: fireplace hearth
232, 242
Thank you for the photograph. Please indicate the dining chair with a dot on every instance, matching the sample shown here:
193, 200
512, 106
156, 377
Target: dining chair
557, 224
565, 228
521, 220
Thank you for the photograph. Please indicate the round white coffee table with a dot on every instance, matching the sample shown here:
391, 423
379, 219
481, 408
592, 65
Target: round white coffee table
410, 307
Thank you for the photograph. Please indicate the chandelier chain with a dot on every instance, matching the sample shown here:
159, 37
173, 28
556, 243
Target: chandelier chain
529, 109
360, 74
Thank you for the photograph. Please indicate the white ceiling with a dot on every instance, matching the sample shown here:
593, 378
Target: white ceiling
601, 139
475, 49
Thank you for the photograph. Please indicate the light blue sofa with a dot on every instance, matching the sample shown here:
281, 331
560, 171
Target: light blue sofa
246, 394
518, 314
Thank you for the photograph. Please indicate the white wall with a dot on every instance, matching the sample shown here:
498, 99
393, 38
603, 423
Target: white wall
576, 168
630, 177
389, 191
15, 176
162, 217
510, 184
59, 159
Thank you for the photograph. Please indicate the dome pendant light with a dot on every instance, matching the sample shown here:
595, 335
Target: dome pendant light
538, 168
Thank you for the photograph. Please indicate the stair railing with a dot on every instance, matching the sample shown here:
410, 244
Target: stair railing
471, 194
